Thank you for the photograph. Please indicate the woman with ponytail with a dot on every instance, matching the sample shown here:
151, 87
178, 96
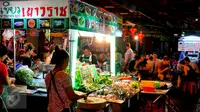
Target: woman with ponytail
59, 85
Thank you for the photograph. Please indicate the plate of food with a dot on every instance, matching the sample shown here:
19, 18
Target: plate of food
74, 6
87, 10
74, 20
81, 21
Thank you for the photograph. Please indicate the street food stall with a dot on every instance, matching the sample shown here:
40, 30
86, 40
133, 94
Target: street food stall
190, 44
32, 21
24, 20
90, 25
97, 28
82, 23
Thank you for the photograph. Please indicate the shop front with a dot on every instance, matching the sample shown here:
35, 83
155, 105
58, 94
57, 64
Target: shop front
95, 28
43, 24
190, 44
75, 26
39, 22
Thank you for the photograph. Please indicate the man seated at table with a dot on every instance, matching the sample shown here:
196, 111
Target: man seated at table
88, 57
24, 75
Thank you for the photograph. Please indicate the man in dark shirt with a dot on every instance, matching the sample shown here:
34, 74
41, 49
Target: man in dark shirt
88, 57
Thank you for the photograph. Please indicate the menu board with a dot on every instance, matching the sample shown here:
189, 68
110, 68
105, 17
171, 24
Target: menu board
88, 73
188, 46
43, 14
89, 18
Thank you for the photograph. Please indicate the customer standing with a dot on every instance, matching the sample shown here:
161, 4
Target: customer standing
59, 84
156, 65
4, 78
128, 56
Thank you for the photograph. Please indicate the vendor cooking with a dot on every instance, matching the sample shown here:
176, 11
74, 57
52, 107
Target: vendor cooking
88, 57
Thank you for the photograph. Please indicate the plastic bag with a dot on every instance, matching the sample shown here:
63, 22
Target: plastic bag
7, 34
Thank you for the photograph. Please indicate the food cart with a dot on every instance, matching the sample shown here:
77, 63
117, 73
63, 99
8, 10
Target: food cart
87, 21
79, 21
191, 44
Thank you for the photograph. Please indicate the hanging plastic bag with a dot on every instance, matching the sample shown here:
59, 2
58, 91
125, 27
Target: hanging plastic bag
7, 34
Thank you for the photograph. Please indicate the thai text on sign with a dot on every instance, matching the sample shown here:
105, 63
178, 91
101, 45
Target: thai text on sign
35, 9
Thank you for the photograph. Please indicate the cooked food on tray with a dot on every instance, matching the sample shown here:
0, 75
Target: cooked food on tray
87, 10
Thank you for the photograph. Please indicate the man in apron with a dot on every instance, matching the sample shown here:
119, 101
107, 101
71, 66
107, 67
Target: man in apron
88, 57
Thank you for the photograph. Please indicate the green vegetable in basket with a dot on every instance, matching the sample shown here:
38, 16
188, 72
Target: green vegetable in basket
135, 85
103, 80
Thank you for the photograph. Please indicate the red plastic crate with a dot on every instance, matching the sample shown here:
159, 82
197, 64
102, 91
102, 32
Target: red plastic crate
149, 89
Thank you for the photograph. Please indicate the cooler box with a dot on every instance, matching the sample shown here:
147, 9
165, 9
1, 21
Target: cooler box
148, 86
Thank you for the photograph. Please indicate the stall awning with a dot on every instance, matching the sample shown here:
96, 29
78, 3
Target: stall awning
191, 38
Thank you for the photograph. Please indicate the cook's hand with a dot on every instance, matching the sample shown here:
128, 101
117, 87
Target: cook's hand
84, 96
85, 64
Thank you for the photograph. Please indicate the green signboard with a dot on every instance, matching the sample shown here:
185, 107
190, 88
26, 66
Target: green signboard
85, 17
